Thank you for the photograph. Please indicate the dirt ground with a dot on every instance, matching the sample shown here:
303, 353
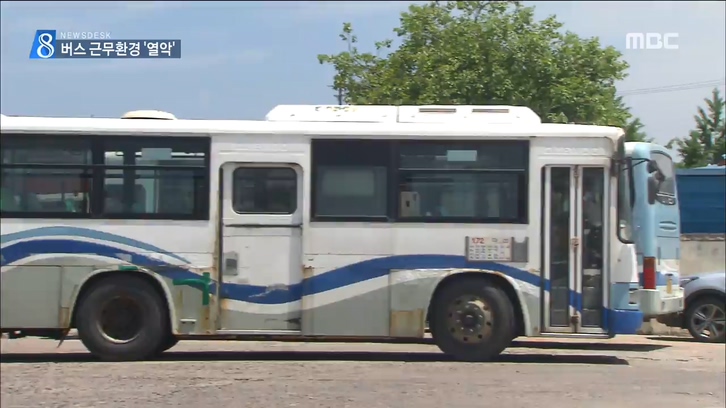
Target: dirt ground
629, 371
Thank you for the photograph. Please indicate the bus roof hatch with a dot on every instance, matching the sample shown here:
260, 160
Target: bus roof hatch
148, 114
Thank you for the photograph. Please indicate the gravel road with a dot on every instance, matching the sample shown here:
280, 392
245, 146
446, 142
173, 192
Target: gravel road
629, 371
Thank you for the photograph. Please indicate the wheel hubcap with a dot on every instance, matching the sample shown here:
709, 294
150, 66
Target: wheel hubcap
709, 321
470, 319
120, 320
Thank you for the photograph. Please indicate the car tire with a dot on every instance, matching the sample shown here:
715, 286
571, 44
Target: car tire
704, 319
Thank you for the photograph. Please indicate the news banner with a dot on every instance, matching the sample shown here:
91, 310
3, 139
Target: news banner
50, 44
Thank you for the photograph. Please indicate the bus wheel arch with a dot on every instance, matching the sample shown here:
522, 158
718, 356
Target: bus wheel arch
503, 282
156, 281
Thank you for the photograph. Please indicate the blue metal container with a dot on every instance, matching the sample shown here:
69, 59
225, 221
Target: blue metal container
702, 199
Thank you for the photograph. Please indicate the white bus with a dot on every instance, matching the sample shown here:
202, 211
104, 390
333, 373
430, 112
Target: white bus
355, 223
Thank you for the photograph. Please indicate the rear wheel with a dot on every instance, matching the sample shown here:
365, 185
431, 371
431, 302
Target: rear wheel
122, 318
472, 320
706, 320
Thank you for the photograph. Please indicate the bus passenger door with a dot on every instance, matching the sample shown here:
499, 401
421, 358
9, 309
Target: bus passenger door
573, 248
261, 247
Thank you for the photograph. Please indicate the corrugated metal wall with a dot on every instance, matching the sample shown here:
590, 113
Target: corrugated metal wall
702, 200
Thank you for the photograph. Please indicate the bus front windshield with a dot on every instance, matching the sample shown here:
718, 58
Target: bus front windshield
666, 193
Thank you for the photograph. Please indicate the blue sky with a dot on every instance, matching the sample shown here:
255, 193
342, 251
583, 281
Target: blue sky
240, 59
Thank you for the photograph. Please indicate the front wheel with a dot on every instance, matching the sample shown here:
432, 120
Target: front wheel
706, 320
473, 320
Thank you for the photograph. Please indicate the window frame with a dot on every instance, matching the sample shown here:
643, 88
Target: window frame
394, 177
295, 188
97, 144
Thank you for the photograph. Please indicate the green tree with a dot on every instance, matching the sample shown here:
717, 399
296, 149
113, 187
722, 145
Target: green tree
483, 53
634, 131
707, 143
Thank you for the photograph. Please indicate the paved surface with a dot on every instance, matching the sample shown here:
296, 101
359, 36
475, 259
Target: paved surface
630, 371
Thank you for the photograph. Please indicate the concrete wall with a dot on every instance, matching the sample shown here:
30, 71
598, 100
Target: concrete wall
702, 253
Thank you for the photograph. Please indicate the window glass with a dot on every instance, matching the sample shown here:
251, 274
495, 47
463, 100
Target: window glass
350, 178
667, 188
463, 155
351, 191
138, 177
463, 181
33, 182
481, 196
155, 176
428, 181
46, 190
264, 190
45, 150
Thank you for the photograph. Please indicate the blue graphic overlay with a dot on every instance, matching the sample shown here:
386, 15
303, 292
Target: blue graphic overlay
47, 45
44, 45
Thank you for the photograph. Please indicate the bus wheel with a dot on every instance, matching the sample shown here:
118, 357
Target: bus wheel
168, 343
472, 320
122, 318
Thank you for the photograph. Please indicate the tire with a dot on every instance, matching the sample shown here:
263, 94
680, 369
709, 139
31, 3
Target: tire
692, 319
144, 313
494, 326
170, 342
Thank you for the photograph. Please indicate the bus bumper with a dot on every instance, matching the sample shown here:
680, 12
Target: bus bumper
655, 302
625, 321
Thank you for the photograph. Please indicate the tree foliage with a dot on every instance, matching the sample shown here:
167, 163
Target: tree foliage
706, 144
634, 131
484, 53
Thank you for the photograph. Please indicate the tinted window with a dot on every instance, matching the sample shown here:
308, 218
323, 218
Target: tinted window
29, 190
350, 178
481, 196
463, 182
46, 175
463, 155
105, 177
420, 181
264, 190
155, 176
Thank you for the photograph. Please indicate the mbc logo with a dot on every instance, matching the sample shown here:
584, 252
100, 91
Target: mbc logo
651, 41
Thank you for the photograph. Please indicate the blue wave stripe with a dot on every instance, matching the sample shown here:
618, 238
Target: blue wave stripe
334, 279
85, 233
337, 278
